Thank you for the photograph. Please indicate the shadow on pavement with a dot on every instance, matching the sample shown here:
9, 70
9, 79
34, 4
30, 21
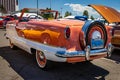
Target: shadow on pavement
3, 29
25, 65
116, 56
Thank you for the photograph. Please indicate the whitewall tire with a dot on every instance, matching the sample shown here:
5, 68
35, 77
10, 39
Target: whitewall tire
41, 59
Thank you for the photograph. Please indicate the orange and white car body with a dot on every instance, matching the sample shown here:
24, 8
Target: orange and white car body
62, 40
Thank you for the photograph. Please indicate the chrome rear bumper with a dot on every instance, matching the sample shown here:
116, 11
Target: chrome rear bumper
86, 53
80, 53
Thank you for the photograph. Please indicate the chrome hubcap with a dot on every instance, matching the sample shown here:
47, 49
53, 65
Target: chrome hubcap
41, 60
41, 56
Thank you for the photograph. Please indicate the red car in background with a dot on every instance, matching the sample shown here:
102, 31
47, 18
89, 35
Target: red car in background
4, 20
8, 18
1, 21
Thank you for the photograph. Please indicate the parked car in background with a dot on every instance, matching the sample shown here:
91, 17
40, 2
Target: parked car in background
5, 20
1, 22
64, 40
116, 36
77, 17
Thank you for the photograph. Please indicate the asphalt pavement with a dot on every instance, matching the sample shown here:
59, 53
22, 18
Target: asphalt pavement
6, 71
19, 65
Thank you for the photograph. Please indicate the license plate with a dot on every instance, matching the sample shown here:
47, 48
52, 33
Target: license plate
95, 44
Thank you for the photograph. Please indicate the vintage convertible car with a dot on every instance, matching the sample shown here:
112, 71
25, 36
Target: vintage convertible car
64, 40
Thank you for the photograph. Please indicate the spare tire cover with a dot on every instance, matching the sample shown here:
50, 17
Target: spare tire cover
96, 35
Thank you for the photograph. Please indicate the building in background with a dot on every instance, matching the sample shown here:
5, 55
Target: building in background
10, 5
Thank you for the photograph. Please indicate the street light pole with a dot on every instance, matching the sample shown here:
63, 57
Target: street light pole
37, 7
50, 4
61, 12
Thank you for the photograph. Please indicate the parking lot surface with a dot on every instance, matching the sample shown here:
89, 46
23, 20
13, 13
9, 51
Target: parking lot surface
19, 65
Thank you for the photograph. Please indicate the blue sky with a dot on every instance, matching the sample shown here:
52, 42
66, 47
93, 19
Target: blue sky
74, 6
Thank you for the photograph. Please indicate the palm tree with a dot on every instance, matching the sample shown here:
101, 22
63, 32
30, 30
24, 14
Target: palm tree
2, 9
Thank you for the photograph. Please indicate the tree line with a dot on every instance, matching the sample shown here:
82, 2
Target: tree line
85, 13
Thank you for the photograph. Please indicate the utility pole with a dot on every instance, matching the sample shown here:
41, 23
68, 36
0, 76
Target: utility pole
50, 4
61, 12
37, 7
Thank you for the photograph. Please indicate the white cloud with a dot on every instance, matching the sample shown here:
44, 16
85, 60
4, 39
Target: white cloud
118, 10
78, 8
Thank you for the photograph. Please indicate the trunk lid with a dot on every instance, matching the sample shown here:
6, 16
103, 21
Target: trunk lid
110, 14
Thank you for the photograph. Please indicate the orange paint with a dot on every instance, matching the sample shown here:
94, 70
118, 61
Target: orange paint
52, 32
110, 14
80, 59
115, 40
41, 36
97, 56
75, 59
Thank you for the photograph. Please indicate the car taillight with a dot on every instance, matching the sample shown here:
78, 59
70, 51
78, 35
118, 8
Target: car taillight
67, 32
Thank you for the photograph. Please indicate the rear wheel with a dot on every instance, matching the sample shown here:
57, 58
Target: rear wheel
41, 59
42, 62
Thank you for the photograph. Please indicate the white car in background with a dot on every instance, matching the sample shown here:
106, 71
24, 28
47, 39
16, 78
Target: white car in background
83, 18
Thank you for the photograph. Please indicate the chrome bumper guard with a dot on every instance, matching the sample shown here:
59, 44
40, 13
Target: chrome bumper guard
85, 53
